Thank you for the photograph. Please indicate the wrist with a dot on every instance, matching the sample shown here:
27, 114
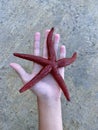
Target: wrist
49, 103
48, 99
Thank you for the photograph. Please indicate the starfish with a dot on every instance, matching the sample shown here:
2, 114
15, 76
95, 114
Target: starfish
50, 65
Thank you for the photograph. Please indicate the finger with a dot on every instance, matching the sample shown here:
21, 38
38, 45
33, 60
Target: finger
36, 43
62, 55
62, 51
36, 47
45, 44
21, 72
56, 41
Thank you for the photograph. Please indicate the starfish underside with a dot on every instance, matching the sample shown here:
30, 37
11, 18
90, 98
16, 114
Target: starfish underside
50, 65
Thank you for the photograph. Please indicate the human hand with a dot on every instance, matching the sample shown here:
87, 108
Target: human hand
47, 87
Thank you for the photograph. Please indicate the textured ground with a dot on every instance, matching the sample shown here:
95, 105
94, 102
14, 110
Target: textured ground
77, 22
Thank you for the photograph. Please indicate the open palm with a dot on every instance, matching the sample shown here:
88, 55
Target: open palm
47, 87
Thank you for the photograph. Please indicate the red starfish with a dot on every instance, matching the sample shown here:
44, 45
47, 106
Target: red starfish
50, 65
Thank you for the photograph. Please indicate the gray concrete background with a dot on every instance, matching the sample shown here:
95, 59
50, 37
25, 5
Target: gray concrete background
77, 22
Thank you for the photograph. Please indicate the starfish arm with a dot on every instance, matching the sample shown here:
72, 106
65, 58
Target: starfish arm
37, 78
37, 59
50, 46
66, 61
61, 83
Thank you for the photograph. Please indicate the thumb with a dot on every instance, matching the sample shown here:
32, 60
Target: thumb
21, 72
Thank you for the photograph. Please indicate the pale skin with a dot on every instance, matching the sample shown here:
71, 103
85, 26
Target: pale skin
47, 90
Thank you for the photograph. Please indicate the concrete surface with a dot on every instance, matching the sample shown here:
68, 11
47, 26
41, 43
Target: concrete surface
77, 22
